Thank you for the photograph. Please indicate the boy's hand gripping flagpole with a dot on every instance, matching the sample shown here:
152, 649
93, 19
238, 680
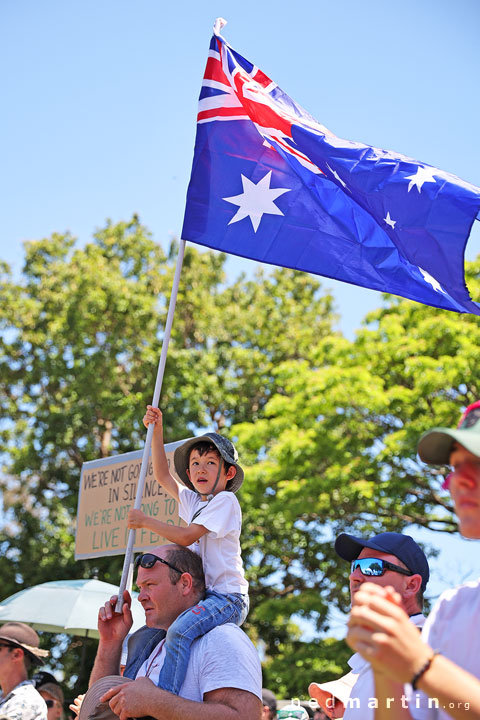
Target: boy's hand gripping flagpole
148, 441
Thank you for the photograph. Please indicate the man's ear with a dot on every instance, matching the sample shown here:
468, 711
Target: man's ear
413, 584
186, 581
17, 653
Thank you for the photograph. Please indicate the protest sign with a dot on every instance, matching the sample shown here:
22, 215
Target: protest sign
107, 492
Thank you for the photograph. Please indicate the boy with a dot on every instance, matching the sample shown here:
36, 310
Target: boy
208, 467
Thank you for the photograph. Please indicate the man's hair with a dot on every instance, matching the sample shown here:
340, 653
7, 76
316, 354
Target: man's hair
205, 447
186, 561
28, 661
419, 598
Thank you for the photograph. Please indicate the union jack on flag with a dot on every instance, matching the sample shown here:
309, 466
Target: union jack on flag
272, 184
225, 82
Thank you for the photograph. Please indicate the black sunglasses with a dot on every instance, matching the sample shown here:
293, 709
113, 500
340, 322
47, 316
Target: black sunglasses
375, 567
50, 703
148, 560
7, 645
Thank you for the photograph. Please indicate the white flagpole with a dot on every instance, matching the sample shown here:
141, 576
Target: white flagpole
148, 441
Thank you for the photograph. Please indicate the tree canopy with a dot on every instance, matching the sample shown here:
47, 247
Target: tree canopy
326, 427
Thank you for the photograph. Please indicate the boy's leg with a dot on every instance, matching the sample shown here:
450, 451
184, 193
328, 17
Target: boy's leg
216, 609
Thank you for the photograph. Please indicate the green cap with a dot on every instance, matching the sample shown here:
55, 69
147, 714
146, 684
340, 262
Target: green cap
435, 445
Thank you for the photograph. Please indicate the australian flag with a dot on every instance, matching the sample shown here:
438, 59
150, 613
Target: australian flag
271, 184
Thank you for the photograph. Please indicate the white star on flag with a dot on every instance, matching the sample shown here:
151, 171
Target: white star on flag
423, 175
336, 175
389, 221
431, 280
256, 200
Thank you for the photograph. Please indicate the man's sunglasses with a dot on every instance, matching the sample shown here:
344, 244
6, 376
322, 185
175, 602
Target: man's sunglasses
375, 567
7, 645
51, 703
148, 560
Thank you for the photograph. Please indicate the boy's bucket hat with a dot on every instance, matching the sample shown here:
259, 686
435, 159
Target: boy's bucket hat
435, 445
225, 448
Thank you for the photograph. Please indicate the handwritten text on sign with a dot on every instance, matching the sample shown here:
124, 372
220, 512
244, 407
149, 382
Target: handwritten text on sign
107, 492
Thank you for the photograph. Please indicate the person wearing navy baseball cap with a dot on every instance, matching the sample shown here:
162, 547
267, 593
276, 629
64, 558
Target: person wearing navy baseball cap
389, 558
443, 665
403, 547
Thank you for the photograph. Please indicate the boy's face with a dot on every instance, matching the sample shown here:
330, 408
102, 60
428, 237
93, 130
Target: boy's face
203, 471
465, 489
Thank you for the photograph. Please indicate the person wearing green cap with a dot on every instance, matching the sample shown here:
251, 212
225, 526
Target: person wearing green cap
442, 667
208, 468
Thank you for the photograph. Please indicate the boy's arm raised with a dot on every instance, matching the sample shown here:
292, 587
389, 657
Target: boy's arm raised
160, 464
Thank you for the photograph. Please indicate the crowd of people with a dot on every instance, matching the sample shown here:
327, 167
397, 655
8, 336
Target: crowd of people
191, 659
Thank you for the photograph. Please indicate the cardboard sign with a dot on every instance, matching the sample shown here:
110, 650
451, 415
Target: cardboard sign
107, 492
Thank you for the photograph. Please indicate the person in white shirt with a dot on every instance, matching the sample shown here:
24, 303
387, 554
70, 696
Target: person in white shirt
223, 679
444, 663
389, 558
208, 467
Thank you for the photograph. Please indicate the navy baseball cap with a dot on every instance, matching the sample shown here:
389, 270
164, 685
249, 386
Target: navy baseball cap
402, 546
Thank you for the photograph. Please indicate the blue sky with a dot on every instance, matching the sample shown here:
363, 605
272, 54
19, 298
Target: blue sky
99, 101
99, 104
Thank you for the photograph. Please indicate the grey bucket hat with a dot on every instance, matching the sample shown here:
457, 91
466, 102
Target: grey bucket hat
225, 448
434, 446
93, 709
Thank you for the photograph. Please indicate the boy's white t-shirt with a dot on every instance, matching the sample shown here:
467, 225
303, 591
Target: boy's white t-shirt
220, 547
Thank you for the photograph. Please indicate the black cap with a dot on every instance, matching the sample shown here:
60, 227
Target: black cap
269, 699
42, 677
402, 546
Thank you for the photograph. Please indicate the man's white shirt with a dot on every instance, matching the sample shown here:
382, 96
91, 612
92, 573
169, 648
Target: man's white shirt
224, 657
363, 692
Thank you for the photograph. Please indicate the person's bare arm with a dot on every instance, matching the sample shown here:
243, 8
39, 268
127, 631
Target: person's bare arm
113, 628
383, 634
391, 698
142, 697
160, 463
179, 535
451, 684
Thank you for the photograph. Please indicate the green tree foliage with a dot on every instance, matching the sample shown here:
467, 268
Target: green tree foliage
81, 335
336, 450
327, 428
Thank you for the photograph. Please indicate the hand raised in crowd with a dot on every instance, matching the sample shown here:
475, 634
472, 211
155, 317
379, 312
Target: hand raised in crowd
381, 631
153, 415
113, 626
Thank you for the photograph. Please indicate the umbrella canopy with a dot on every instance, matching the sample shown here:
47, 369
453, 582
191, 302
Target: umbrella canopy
64, 606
